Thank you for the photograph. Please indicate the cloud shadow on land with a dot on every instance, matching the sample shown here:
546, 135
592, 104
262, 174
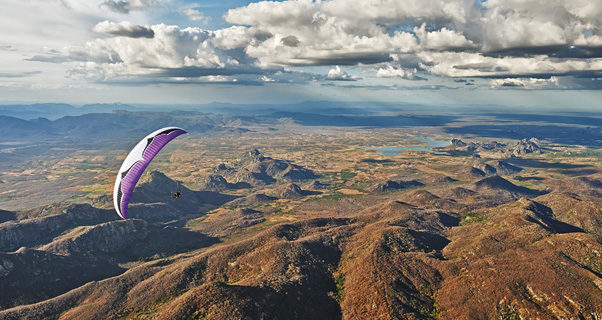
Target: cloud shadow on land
314, 119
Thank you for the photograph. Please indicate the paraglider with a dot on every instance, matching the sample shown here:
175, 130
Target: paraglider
136, 162
177, 194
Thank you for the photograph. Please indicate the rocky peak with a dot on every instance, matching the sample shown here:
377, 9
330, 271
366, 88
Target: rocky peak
526, 146
214, 182
156, 181
252, 156
458, 143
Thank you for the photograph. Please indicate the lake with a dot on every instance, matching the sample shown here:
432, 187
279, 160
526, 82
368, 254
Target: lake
426, 145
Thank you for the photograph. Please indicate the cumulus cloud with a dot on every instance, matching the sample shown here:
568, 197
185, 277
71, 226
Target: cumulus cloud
125, 6
336, 74
392, 72
195, 15
525, 83
444, 39
496, 39
124, 29
171, 54
449, 38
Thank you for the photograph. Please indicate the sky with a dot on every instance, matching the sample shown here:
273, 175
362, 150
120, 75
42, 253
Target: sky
515, 53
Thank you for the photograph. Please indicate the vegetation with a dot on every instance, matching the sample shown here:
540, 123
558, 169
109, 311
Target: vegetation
339, 281
472, 218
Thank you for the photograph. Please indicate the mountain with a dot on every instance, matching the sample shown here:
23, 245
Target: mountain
504, 168
41, 110
583, 212
15, 128
497, 185
410, 255
152, 198
392, 260
290, 191
216, 182
510, 246
480, 168
108, 237
252, 199
41, 225
30, 275
255, 169
475, 172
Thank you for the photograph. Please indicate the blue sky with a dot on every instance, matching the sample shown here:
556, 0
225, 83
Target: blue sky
516, 53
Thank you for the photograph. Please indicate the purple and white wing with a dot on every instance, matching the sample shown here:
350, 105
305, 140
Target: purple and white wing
136, 162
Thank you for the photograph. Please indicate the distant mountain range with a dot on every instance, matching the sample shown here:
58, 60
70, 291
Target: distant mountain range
57, 110
116, 124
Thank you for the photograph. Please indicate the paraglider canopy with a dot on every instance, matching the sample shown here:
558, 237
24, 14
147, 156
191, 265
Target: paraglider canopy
136, 162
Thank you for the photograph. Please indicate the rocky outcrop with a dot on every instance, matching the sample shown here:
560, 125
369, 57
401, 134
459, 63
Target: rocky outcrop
457, 143
252, 178
391, 185
216, 182
525, 147
474, 147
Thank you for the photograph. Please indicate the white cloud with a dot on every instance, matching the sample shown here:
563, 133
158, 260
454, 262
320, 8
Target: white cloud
444, 39
392, 72
195, 15
265, 78
395, 39
336, 74
525, 37
172, 53
470, 64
